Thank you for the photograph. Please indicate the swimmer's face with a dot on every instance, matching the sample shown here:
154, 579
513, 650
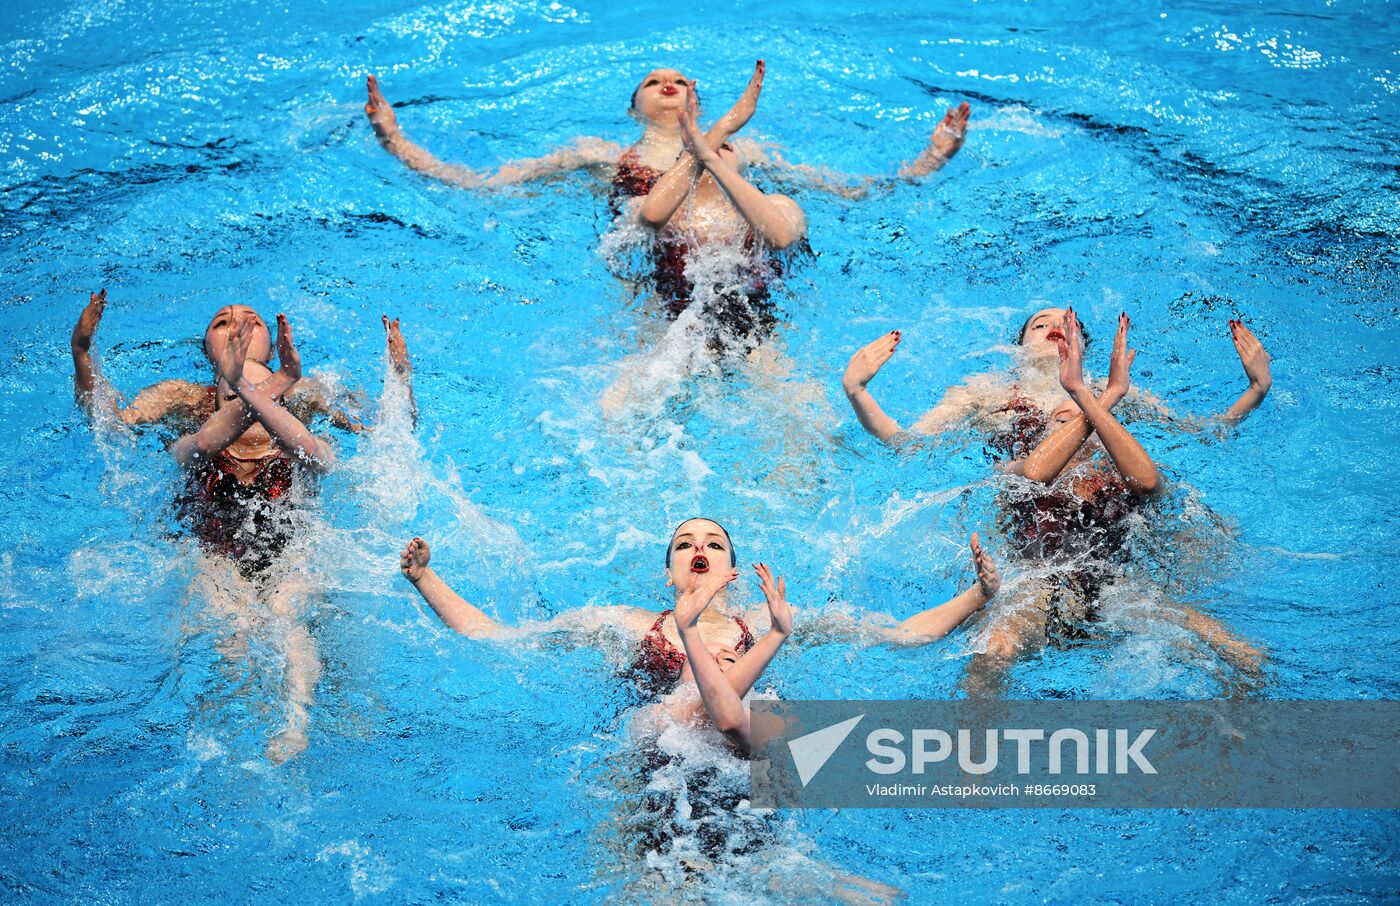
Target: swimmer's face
698, 547
661, 95
261, 347
1041, 335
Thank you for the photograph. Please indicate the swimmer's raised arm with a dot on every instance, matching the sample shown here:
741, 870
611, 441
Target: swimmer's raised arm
723, 703
921, 629
864, 365
1255, 360
946, 141
937, 622
400, 362
592, 154
160, 401
750, 667
776, 219
1051, 455
1136, 467
580, 624
451, 608
658, 206
286, 429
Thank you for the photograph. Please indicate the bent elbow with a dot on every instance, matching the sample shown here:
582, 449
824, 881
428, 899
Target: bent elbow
1149, 485
729, 723
650, 220
784, 237
1036, 473
781, 240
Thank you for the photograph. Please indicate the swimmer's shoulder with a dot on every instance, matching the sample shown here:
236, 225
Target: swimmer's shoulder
170, 399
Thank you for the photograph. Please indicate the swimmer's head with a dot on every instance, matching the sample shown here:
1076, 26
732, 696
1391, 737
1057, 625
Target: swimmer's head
697, 547
1040, 334
259, 350
661, 96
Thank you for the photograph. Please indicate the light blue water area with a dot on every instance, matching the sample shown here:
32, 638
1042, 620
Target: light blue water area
1187, 163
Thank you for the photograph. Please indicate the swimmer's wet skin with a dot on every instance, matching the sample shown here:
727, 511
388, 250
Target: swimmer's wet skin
242, 465
1083, 512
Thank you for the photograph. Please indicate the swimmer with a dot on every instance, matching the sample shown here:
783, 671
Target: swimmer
1075, 527
658, 657
685, 187
702, 662
245, 449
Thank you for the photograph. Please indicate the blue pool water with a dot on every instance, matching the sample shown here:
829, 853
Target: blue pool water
1185, 162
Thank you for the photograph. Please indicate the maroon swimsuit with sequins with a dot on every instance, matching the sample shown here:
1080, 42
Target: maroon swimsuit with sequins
659, 662
742, 312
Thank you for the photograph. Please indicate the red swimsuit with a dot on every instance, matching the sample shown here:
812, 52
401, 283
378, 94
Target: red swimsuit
659, 662
743, 311
248, 523
1080, 532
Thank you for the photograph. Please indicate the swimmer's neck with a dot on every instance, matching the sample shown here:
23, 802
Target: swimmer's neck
662, 134
717, 608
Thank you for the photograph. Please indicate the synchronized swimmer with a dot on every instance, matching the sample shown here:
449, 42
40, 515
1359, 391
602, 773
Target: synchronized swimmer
686, 187
248, 456
244, 450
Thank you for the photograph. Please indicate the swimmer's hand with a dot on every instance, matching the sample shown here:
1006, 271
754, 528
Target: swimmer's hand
398, 348
743, 109
691, 137
233, 352
1121, 363
775, 593
698, 596
86, 327
381, 115
949, 135
988, 576
868, 361
288, 359
1253, 357
1071, 347
414, 560
947, 139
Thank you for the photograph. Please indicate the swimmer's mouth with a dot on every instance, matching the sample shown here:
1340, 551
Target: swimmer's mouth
1054, 335
669, 90
699, 564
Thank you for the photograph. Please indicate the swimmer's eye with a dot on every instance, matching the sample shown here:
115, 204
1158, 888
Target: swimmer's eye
651, 82
680, 545
716, 545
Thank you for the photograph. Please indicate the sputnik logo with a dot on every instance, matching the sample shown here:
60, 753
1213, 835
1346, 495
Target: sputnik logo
812, 751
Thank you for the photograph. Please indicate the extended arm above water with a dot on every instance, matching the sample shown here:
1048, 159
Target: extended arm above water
587, 153
1051, 455
1134, 464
